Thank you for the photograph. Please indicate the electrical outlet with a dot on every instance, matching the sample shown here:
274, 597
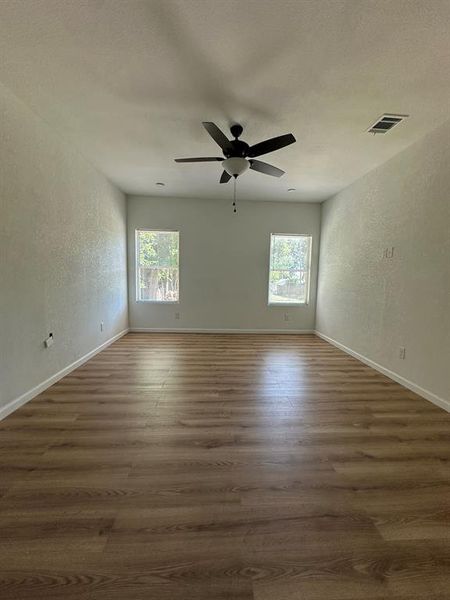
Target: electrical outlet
102, 326
286, 317
177, 316
402, 353
388, 252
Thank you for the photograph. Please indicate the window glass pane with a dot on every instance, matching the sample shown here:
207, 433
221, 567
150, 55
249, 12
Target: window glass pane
289, 269
157, 257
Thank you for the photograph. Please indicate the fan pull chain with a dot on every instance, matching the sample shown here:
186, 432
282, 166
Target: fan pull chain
234, 196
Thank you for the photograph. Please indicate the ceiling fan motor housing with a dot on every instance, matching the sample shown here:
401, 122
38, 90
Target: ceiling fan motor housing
236, 148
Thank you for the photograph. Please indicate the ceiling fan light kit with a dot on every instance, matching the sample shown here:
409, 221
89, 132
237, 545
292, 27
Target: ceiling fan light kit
239, 156
235, 165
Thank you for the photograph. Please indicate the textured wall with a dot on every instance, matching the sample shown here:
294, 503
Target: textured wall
224, 262
62, 252
375, 305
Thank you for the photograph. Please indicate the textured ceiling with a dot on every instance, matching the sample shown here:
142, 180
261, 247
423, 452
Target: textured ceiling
129, 82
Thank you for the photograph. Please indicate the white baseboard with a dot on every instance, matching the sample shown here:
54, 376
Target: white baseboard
41, 387
189, 330
441, 402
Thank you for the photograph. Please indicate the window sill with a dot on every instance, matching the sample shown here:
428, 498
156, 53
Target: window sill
296, 304
157, 302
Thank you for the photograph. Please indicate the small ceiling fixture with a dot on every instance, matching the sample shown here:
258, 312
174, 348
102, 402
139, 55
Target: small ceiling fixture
386, 122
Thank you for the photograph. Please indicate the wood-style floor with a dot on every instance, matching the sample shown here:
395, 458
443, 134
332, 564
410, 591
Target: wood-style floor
225, 467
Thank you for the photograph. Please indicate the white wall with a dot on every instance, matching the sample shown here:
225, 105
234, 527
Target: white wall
62, 252
224, 262
374, 305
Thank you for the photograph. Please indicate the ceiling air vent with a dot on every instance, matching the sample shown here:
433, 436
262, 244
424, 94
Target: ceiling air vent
386, 123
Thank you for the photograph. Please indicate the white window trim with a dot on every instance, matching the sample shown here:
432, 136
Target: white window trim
136, 265
294, 304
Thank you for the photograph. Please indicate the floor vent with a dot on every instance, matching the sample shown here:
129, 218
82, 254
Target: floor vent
386, 123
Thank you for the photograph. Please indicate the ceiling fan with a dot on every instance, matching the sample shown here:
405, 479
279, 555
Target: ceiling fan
239, 156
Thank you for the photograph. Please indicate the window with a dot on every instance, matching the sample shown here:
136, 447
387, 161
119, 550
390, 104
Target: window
290, 260
157, 273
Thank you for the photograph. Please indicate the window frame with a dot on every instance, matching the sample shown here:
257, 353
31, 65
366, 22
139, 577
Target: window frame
137, 266
308, 288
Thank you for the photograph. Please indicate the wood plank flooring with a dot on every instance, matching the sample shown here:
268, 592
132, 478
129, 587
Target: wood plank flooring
225, 467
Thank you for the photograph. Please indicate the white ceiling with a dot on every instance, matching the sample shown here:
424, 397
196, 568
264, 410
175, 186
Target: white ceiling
129, 83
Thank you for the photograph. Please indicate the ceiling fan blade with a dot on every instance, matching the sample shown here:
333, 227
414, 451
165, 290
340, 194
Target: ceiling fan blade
199, 159
217, 135
225, 177
271, 145
262, 167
